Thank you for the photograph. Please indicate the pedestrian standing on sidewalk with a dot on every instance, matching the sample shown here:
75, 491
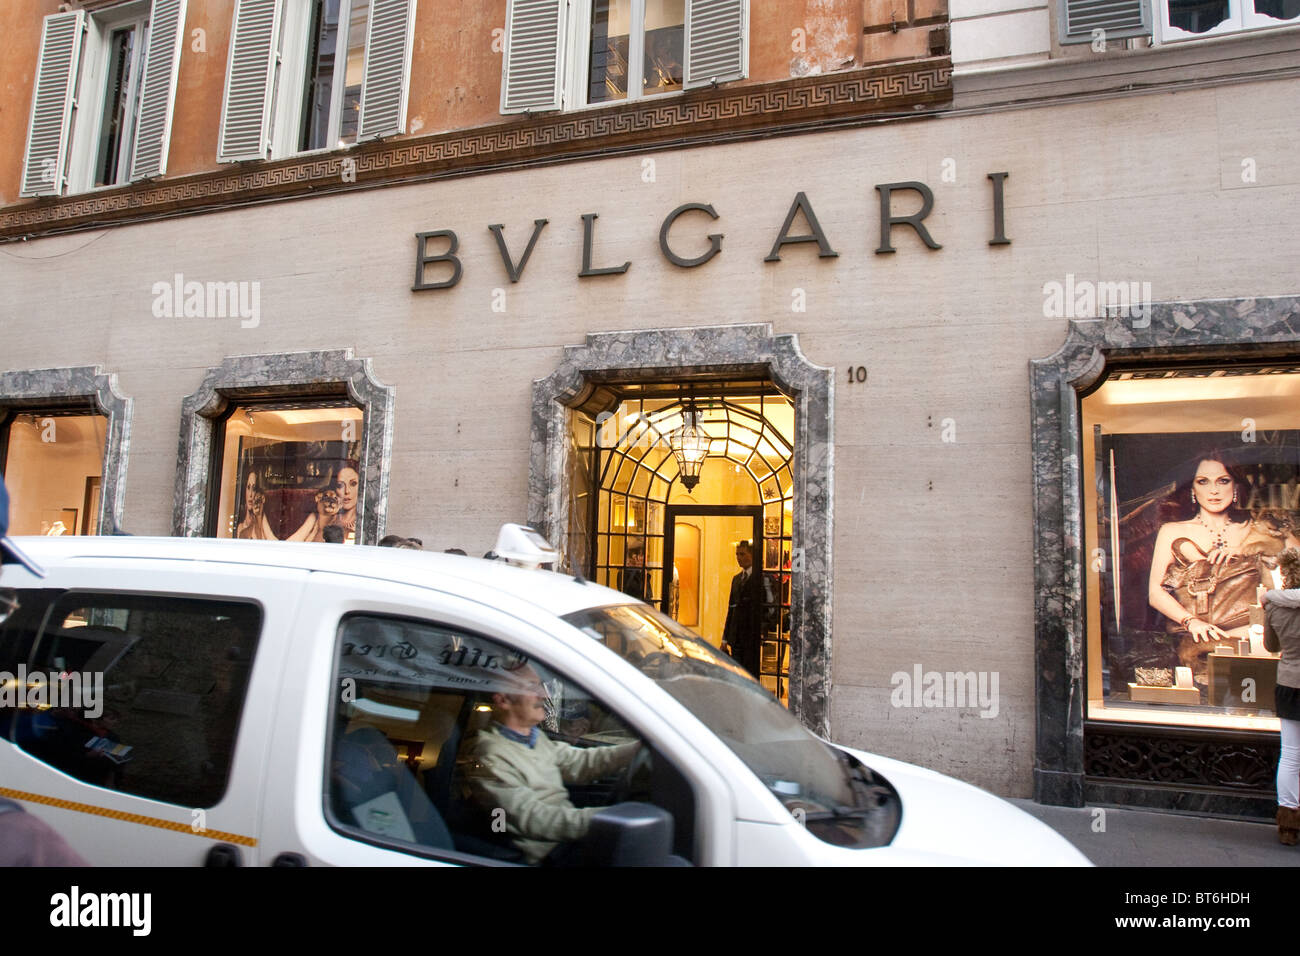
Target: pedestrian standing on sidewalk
1282, 631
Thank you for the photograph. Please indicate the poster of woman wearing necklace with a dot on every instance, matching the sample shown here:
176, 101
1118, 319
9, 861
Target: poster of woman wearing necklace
1195, 523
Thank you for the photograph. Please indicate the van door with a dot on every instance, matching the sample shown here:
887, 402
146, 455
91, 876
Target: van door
399, 684
149, 744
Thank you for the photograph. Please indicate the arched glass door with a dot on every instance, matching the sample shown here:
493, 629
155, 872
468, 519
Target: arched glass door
633, 477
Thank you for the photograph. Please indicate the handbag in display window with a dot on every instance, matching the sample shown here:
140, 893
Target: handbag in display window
1220, 594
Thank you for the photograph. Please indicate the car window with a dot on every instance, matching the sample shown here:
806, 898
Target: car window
137, 693
18, 633
446, 740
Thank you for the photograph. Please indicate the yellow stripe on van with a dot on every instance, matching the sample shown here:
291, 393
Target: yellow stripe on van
128, 817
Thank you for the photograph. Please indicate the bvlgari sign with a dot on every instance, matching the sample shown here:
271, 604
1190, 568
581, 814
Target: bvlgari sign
443, 269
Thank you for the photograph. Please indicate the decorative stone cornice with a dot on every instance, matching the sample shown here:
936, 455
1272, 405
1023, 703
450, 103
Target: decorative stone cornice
694, 117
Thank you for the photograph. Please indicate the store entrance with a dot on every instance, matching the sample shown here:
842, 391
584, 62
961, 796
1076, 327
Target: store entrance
667, 479
700, 547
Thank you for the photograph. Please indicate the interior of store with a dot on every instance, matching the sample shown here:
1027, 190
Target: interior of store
53, 468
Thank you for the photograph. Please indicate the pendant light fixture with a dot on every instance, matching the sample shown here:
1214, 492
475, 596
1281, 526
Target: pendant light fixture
690, 445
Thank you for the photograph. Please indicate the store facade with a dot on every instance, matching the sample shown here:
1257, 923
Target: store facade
912, 344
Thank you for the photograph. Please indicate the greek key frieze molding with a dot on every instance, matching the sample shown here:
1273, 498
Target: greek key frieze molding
680, 120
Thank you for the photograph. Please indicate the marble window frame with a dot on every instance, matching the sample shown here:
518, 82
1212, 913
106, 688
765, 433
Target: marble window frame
284, 376
680, 354
32, 390
1236, 330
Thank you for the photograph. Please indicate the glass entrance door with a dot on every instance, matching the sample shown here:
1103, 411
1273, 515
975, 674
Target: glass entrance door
634, 447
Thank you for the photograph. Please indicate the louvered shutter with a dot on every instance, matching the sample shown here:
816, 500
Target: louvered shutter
533, 62
388, 68
717, 41
162, 59
1118, 18
52, 102
246, 109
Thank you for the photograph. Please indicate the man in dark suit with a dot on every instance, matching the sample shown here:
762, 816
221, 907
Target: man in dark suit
742, 635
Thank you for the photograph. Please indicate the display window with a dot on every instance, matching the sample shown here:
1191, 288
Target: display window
290, 472
1192, 491
53, 466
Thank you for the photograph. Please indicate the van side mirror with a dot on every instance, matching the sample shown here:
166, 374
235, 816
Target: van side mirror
630, 834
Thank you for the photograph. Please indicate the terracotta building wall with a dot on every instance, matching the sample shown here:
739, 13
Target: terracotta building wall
200, 85
455, 64
803, 38
20, 25
903, 29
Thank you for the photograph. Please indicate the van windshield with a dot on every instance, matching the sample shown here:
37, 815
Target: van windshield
836, 797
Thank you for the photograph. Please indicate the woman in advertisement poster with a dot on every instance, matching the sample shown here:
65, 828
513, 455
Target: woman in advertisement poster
1282, 633
348, 486
336, 505
1206, 569
253, 524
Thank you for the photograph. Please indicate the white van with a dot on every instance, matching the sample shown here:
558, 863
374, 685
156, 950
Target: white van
183, 702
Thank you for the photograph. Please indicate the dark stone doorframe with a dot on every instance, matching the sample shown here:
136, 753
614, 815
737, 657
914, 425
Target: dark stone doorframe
680, 354
1223, 329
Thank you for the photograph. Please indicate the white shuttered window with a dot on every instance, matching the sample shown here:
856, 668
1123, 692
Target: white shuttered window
246, 108
1116, 19
158, 92
534, 48
716, 41
56, 86
104, 92
387, 69
1169, 21
316, 74
562, 55
1193, 19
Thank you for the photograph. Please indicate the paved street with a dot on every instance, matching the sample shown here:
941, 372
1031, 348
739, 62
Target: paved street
1152, 838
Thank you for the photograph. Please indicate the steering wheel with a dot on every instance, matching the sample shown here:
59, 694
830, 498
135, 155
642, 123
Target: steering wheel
641, 765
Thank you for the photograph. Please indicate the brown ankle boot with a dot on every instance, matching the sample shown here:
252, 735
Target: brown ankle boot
1288, 826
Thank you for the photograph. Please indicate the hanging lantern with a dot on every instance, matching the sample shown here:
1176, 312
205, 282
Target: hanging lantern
690, 445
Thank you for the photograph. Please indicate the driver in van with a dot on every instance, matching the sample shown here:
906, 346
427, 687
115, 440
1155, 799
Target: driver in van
518, 769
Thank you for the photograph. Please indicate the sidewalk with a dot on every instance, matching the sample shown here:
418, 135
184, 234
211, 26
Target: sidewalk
1154, 838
